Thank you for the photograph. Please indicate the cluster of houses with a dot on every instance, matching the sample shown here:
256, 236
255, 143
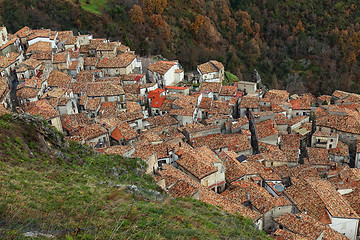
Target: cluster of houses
281, 160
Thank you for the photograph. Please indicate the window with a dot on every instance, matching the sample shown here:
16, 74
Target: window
330, 146
331, 140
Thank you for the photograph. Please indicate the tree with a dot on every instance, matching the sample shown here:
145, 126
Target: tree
299, 28
156, 20
154, 6
195, 26
136, 14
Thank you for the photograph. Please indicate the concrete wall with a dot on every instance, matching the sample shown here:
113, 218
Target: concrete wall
56, 122
38, 39
276, 212
272, 139
295, 113
348, 226
3, 36
247, 87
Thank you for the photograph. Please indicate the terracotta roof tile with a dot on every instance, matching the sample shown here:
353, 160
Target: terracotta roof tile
122, 60
23, 32
161, 67
39, 47
301, 103
59, 79
100, 89
249, 102
341, 150
165, 120
334, 202
182, 189
118, 150
245, 190
228, 90
130, 116
235, 169
306, 226
205, 103
92, 104
88, 132
214, 87
41, 108
209, 196
318, 156
296, 120
266, 128
211, 66
278, 95
220, 107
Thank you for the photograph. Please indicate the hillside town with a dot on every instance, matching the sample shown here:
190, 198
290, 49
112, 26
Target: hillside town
288, 162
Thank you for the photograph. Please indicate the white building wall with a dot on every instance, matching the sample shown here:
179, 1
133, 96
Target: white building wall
346, 226
38, 39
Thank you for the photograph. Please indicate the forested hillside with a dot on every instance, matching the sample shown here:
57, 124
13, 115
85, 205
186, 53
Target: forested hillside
296, 45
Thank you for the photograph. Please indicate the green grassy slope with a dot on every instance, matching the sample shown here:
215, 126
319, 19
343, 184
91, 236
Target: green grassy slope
93, 6
70, 192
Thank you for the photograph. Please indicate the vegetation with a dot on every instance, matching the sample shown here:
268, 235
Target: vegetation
230, 78
312, 46
75, 193
94, 6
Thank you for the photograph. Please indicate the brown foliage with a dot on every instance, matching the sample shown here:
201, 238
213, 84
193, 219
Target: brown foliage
154, 6
195, 26
156, 20
136, 14
299, 28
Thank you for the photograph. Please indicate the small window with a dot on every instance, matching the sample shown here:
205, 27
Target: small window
330, 146
331, 140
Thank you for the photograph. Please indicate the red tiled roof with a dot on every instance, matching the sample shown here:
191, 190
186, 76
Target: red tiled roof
197, 165
116, 134
122, 60
161, 67
318, 156
164, 120
99, 89
209, 196
59, 79
182, 189
334, 202
306, 226
266, 128
249, 102
41, 108
214, 87
228, 90
278, 95
39, 47
301, 103
211, 66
